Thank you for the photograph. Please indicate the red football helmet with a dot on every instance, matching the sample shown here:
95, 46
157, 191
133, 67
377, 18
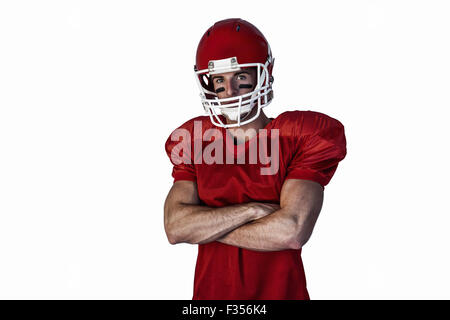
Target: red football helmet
229, 46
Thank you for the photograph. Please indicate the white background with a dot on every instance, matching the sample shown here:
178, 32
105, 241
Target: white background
90, 91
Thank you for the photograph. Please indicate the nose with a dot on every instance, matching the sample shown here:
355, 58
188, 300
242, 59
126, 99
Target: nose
231, 88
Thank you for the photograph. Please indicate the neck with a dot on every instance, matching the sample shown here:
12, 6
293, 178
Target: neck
241, 134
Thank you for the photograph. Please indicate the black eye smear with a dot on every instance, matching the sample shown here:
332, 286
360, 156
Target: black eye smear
245, 86
220, 89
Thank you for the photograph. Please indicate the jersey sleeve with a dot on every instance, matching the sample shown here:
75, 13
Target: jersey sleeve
178, 149
320, 145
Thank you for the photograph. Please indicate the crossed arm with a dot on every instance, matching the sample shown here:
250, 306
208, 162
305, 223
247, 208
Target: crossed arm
254, 225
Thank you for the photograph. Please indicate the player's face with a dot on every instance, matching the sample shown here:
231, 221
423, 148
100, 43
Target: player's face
233, 84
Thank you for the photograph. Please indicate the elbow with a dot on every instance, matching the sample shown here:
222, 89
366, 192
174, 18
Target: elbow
172, 239
298, 234
296, 240
291, 239
291, 235
175, 238
176, 235
171, 235
294, 243
171, 228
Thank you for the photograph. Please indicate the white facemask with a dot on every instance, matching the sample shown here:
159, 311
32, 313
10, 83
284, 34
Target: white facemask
235, 108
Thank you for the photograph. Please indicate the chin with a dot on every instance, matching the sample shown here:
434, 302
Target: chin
229, 121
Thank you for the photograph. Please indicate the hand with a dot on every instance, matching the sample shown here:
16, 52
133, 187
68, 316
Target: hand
262, 209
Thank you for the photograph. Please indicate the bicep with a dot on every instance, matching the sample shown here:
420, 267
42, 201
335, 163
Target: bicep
301, 199
183, 192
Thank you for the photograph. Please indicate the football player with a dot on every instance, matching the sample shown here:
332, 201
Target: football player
249, 225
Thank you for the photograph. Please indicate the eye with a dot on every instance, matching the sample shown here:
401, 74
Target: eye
241, 77
218, 80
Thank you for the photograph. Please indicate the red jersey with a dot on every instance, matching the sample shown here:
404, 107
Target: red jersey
310, 146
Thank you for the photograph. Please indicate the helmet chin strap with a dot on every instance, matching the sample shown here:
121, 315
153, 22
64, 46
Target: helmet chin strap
246, 115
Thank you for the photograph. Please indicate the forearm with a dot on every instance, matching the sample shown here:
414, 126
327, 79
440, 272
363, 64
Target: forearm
274, 232
198, 224
288, 228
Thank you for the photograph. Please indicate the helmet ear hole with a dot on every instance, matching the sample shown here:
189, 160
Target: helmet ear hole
206, 83
205, 80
